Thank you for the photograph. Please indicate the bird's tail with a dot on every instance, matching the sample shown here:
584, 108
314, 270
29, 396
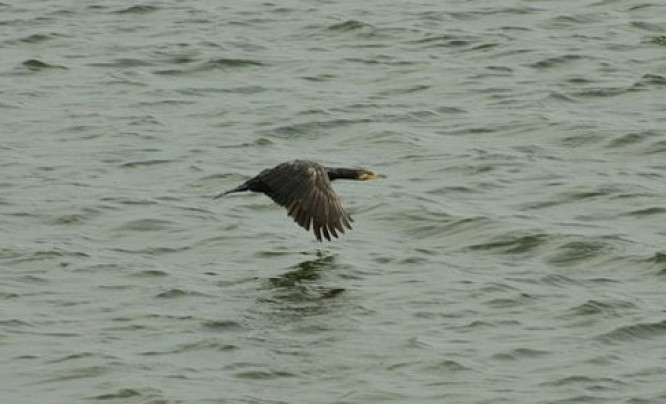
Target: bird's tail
239, 188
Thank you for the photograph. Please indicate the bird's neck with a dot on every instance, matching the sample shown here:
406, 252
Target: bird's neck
341, 173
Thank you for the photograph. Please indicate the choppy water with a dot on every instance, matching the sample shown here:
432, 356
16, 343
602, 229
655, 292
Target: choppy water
515, 254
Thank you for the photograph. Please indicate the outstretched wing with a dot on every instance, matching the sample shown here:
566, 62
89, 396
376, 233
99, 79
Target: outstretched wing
304, 189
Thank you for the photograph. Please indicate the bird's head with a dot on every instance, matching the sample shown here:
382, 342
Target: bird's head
365, 175
360, 174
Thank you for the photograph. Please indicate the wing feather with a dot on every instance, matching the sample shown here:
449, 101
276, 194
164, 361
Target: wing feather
304, 189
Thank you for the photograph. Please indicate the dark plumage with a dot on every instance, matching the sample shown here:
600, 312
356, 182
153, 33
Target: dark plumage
304, 188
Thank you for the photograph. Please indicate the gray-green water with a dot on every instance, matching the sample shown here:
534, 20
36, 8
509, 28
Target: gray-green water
515, 254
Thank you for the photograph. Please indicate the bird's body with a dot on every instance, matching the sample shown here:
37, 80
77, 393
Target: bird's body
304, 189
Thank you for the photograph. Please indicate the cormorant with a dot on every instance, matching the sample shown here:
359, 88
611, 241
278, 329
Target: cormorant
304, 188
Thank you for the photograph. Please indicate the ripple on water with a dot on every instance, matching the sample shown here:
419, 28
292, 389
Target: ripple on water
520, 299
138, 9
349, 25
648, 81
208, 345
37, 65
147, 163
13, 257
520, 354
429, 225
602, 309
587, 382
446, 366
175, 293
513, 244
559, 280
580, 251
38, 38
634, 138
122, 63
146, 395
150, 273
264, 374
312, 129
222, 325
146, 225
654, 210
658, 40
559, 61
221, 64
634, 332
84, 372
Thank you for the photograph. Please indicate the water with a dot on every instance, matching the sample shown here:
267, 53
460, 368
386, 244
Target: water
515, 254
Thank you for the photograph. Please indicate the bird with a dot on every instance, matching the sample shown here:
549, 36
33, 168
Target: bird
304, 188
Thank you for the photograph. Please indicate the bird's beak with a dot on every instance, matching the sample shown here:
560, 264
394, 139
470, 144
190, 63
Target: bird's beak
371, 176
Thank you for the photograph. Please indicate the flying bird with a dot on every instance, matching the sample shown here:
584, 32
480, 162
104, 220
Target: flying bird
304, 188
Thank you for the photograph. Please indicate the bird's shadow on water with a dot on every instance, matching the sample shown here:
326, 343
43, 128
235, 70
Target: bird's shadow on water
299, 290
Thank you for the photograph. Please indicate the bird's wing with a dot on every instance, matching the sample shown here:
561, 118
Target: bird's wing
305, 190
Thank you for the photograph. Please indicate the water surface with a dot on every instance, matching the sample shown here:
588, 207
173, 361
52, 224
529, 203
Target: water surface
515, 254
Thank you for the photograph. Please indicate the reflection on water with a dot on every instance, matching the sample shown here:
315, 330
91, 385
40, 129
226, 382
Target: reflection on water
300, 292
307, 270
301, 282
